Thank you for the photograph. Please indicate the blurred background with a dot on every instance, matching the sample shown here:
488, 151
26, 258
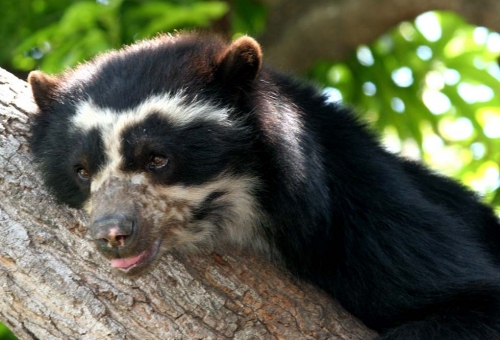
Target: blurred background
426, 80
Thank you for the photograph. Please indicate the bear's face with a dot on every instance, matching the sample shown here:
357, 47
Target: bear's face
150, 142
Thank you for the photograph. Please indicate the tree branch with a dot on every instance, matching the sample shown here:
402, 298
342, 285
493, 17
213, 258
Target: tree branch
300, 33
53, 285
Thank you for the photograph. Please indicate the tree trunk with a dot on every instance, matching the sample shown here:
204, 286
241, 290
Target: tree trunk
53, 285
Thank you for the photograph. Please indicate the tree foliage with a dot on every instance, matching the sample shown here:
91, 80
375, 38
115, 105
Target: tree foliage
5, 333
429, 85
59, 34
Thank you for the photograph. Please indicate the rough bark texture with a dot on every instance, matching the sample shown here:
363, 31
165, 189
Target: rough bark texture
53, 285
299, 32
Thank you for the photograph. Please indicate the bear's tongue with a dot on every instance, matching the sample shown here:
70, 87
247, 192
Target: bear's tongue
125, 263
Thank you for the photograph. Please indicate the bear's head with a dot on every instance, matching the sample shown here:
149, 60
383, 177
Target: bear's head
155, 142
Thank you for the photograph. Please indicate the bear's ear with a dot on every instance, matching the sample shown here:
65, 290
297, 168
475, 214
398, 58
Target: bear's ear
43, 87
241, 62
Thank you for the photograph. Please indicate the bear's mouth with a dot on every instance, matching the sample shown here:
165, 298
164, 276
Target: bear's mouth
134, 264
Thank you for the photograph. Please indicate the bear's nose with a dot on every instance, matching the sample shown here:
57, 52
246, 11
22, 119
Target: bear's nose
112, 231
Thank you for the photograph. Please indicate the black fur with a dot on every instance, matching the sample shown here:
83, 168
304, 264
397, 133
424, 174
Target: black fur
414, 255
215, 148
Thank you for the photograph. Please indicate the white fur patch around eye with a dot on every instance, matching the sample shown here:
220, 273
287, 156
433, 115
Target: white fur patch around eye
175, 108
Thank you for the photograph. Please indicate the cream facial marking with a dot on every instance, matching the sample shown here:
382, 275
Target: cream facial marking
175, 108
167, 211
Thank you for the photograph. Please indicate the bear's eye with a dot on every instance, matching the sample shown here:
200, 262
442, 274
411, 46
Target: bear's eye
157, 162
83, 174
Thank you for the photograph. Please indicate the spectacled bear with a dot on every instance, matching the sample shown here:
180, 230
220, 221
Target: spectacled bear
187, 142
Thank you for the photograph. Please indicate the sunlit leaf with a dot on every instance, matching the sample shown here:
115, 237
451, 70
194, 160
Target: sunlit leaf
451, 71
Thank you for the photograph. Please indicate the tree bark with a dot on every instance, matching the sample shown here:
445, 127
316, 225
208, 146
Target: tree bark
299, 33
53, 284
